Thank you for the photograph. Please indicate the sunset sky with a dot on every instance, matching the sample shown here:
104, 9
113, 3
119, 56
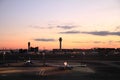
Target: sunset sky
81, 23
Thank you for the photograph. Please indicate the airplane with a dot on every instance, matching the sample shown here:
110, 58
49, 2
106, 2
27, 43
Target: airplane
40, 70
28, 63
65, 66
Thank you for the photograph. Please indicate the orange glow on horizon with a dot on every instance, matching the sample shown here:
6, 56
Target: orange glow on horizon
55, 45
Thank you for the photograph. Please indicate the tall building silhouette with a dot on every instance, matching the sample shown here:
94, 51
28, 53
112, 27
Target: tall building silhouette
60, 41
28, 46
32, 49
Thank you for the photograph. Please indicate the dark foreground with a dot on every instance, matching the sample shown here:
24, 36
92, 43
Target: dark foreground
95, 70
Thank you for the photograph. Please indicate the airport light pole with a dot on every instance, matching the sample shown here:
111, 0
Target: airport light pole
83, 54
43, 54
4, 56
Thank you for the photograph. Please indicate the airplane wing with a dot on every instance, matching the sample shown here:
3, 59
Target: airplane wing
80, 65
54, 65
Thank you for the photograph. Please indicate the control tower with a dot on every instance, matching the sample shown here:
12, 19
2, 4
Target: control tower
28, 46
60, 41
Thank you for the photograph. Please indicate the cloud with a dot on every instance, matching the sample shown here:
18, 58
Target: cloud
97, 42
110, 42
38, 27
70, 32
45, 40
117, 28
99, 33
66, 27
102, 33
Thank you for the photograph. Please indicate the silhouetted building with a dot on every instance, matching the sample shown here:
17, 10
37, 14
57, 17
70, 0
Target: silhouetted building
67, 51
32, 49
22, 50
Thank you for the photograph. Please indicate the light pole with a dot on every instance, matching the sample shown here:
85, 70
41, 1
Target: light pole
83, 54
43, 54
4, 56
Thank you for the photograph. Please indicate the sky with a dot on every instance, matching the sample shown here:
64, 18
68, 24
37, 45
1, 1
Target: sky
80, 23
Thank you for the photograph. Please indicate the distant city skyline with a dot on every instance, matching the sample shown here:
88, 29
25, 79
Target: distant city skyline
80, 23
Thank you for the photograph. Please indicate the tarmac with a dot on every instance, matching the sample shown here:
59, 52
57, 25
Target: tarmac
95, 70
